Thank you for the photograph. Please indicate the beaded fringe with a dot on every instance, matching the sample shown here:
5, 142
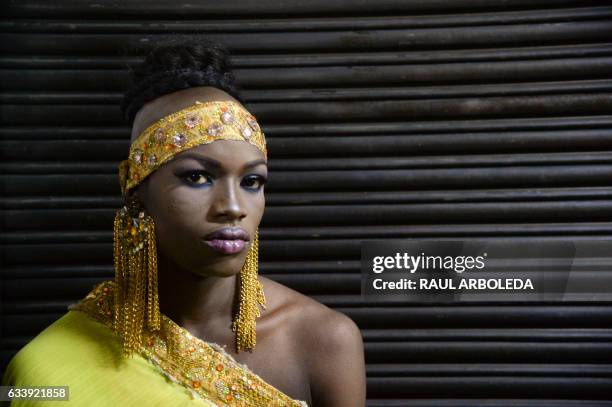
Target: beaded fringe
136, 296
251, 295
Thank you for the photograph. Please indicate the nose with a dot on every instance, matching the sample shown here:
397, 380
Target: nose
227, 204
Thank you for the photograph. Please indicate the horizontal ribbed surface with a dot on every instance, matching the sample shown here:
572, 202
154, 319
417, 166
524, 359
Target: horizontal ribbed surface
384, 119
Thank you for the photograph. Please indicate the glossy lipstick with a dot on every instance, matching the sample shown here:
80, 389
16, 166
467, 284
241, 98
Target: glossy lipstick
228, 240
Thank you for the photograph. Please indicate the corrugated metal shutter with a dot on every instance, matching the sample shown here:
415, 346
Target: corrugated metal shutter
385, 119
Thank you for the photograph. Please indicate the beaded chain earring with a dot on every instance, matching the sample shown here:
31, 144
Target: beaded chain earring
136, 293
251, 295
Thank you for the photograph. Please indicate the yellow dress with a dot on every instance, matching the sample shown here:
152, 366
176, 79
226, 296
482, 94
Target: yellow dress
172, 367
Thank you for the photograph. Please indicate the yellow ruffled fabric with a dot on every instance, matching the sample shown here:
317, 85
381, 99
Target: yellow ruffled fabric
172, 368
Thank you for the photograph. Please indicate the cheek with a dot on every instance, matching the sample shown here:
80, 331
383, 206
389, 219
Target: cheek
254, 205
259, 207
179, 218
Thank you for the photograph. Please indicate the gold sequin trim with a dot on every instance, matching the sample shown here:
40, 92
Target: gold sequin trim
203, 368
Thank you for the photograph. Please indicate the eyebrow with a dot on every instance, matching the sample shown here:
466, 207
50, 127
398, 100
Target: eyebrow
216, 164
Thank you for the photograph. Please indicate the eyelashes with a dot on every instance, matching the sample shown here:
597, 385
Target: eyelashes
260, 180
196, 177
200, 178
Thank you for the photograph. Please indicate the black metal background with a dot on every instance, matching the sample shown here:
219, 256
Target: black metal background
385, 119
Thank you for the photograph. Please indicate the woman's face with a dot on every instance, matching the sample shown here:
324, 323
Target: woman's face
199, 191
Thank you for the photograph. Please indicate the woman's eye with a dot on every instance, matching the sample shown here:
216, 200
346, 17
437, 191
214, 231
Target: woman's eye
254, 182
196, 177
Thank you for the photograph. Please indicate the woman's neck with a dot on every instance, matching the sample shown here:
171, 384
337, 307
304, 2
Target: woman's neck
192, 300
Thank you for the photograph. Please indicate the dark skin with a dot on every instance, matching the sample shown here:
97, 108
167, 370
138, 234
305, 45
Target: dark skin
305, 349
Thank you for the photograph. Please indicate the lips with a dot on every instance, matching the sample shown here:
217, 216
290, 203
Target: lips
234, 233
228, 240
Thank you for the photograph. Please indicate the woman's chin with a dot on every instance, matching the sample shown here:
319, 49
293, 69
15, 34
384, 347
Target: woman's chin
221, 269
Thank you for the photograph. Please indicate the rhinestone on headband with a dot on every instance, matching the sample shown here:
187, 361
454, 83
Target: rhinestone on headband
201, 123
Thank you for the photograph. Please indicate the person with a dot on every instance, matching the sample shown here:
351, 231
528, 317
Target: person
187, 319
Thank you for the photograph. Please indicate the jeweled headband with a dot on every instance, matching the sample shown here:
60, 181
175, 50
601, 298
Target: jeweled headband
201, 123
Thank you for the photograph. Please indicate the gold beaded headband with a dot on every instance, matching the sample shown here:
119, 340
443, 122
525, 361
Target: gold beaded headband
201, 123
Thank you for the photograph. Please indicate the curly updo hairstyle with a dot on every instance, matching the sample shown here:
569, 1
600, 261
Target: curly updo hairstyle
175, 66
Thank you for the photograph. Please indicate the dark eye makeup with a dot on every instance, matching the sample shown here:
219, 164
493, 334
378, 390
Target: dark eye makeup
200, 178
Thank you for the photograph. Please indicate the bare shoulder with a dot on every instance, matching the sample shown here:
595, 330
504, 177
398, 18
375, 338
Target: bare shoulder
331, 346
312, 317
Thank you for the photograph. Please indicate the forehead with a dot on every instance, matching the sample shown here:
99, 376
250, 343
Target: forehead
229, 154
173, 102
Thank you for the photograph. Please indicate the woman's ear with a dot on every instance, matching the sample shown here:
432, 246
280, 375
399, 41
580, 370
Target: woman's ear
139, 193
134, 201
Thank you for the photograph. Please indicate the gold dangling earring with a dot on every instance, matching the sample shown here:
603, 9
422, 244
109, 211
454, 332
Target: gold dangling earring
251, 295
135, 261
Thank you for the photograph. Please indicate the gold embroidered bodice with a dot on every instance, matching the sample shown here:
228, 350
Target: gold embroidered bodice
203, 368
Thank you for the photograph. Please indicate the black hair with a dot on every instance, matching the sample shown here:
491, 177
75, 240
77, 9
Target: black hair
174, 66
